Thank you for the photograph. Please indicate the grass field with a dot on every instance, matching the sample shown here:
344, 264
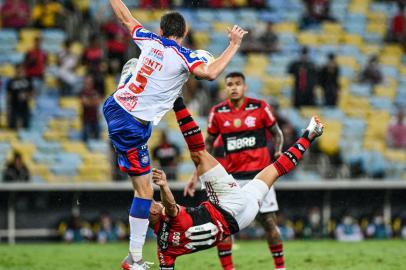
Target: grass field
300, 255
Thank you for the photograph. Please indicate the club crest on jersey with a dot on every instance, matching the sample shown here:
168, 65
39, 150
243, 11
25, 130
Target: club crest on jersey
250, 121
227, 123
237, 123
145, 160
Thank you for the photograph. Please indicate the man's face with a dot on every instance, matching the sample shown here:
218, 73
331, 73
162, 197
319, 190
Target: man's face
235, 88
155, 212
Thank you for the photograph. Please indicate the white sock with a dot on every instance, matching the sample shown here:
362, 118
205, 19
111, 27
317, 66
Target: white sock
138, 232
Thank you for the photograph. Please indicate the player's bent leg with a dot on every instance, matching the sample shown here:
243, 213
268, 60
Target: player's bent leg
273, 236
224, 250
290, 159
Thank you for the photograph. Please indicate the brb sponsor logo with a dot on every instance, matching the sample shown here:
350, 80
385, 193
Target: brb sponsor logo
234, 144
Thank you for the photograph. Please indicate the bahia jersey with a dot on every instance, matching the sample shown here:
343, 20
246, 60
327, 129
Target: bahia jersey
161, 71
193, 229
243, 132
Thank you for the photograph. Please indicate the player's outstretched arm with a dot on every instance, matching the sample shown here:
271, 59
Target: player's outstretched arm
159, 179
124, 15
214, 69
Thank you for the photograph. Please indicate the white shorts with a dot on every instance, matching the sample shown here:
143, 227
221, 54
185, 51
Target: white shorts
242, 203
269, 204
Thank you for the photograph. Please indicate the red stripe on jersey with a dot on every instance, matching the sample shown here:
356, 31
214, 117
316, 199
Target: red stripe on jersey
195, 65
187, 126
138, 26
182, 114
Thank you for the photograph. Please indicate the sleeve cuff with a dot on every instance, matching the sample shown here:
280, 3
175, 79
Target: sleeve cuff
138, 26
195, 65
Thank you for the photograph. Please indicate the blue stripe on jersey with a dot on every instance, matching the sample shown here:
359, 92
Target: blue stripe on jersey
185, 52
128, 79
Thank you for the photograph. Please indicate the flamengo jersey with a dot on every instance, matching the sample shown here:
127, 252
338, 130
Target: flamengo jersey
243, 132
162, 69
193, 229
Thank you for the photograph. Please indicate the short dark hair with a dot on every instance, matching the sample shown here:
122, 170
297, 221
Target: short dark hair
173, 24
235, 74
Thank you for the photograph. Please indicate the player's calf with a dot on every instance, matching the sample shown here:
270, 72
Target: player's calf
189, 128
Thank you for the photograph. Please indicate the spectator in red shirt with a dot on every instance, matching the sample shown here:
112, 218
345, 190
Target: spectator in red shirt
34, 64
93, 55
15, 14
91, 100
317, 11
397, 31
154, 4
397, 132
117, 48
35, 61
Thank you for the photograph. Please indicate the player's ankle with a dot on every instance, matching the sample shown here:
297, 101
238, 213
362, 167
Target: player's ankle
136, 254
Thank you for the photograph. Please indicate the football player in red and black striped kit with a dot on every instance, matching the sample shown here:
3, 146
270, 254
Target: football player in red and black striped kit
243, 123
182, 230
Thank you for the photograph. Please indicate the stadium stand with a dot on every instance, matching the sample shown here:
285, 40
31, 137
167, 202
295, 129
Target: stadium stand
356, 128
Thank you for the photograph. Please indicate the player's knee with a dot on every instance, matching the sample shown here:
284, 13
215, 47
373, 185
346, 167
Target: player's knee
268, 223
143, 188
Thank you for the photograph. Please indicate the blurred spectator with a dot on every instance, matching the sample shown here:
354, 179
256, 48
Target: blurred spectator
305, 75
196, 97
15, 14
289, 132
397, 30
75, 230
372, 73
249, 44
48, 14
397, 132
91, 101
163, 4
107, 231
168, 156
317, 11
35, 64
117, 48
328, 80
16, 170
65, 72
268, 40
348, 230
19, 94
403, 230
93, 55
285, 227
377, 229
117, 42
313, 227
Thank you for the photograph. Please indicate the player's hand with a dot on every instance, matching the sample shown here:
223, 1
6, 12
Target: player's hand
159, 177
277, 154
190, 187
236, 34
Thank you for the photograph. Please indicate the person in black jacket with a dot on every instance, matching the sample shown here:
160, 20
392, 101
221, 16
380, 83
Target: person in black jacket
328, 79
16, 170
19, 93
305, 74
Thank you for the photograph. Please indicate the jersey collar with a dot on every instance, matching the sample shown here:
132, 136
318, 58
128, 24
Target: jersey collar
244, 104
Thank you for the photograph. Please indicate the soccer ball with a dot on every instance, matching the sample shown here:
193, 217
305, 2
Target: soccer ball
205, 56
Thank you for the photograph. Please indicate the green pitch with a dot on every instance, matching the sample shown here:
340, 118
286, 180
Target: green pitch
306, 255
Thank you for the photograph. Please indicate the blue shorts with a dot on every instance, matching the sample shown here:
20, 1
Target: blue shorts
129, 138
